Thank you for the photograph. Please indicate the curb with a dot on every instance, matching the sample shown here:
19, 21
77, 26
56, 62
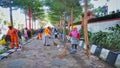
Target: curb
4, 55
105, 54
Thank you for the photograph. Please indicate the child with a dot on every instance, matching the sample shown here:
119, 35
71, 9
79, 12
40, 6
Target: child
75, 36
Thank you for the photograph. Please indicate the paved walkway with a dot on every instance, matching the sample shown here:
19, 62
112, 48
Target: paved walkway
35, 55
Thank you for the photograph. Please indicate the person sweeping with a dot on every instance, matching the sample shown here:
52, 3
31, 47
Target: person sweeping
13, 33
47, 33
75, 36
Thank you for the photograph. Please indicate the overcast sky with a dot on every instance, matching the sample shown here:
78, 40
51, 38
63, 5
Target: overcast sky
112, 4
19, 17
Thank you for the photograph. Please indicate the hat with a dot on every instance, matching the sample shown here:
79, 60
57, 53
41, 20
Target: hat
9, 24
74, 27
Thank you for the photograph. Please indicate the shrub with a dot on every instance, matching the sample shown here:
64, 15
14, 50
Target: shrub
106, 40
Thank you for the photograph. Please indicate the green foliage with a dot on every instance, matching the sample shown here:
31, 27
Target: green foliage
106, 40
3, 51
35, 6
57, 7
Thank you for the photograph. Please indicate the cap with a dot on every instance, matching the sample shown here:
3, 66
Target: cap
9, 24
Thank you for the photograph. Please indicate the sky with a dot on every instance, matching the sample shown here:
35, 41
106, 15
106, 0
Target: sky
19, 17
113, 5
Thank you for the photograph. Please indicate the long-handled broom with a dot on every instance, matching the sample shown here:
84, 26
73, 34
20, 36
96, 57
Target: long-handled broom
55, 44
63, 53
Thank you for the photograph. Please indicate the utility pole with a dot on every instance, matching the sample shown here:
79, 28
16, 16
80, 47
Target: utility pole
86, 28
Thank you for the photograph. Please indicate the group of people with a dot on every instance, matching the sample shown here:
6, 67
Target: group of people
48, 32
47, 35
14, 35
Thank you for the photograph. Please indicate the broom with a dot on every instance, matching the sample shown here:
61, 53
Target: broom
55, 44
63, 53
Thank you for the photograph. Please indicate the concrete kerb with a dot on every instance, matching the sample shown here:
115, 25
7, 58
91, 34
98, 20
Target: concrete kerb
4, 55
105, 54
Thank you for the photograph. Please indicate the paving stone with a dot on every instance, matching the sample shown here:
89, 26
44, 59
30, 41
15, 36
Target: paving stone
58, 62
26, 53
35, 55
16, 64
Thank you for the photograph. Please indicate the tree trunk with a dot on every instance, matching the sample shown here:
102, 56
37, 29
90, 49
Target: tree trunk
25, 20
86, 30
69, 23
72, 15
11, 17
29, 15
60, 24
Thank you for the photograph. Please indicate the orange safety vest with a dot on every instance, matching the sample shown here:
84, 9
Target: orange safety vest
13, 33
47, 31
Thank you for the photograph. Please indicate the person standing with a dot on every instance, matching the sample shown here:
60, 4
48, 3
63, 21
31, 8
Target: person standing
55, 32
26, 34
47, 33
29, 32
75, 36
40, 35
13, 33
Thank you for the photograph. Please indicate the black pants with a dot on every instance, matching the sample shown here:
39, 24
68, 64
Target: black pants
56, 36
74, 46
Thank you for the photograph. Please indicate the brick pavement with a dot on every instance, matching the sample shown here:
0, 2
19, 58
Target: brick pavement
35, 55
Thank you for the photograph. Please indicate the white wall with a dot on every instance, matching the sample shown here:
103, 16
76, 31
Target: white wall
101, 26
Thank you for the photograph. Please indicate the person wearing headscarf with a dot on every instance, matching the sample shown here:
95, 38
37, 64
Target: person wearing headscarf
75, 36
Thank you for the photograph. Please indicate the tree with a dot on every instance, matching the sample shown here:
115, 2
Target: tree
56, 10
74, 9
71, 7
35, 5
